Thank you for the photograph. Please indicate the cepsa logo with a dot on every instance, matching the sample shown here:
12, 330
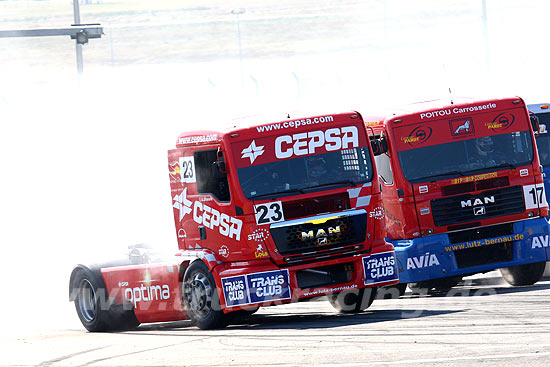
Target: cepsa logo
417, 136
502, 122
287, 146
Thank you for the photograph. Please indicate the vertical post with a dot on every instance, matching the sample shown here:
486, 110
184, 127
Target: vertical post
237, 12
485, 33
79, 58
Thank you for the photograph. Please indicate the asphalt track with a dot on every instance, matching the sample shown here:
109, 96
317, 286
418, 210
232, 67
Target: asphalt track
483, 322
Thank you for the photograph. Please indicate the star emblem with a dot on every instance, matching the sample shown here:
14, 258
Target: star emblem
252, 151
182, 203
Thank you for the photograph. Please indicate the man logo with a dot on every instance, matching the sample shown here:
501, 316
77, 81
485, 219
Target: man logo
321, 236
477, 201
480, 210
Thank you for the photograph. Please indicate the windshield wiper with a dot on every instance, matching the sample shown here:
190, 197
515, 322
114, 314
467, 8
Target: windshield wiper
343, 182
274, 194
460, 173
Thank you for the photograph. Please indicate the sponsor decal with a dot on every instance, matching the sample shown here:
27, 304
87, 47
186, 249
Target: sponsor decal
483, 176
209, 217
540, 242
252, 151
256, 287
417, 136
379, 268
260, 251
424, 211
534, 196
122, 284
182, 233
224, 251
287, 146
377, 213
484, 242
259, 234
373, 123
295, 123
462, 126
198, 139
423, 261
423, 189
456, 110
331, 290
523, 172
174, 169
147, 291
502, 122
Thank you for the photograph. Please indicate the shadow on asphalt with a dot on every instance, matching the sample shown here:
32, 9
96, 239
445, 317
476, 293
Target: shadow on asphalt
482, 287
286, 321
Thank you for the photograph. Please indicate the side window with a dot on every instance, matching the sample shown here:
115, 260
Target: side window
210, 179
384, 168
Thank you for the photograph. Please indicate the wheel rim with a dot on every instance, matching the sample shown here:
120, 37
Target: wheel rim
87, 301
200, 295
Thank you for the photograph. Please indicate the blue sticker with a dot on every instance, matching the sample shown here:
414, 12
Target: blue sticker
234, 291
255, 288
380, 268
268, 286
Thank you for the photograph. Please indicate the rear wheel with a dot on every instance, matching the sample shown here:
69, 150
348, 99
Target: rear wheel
93, 307
527, 274
353, 301
200, 297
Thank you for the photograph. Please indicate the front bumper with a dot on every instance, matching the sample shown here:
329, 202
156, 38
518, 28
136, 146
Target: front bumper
262, 283
433, 257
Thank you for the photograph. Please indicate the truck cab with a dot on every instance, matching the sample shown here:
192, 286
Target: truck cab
266, 214
463, 191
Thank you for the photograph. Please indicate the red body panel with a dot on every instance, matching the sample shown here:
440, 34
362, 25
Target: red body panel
153, 290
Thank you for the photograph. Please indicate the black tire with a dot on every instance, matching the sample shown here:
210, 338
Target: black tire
527, 274
392, 291
353, 301
93, 307
200, 297
435, 285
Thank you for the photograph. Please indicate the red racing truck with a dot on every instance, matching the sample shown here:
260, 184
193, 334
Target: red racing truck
265, 214
463, 192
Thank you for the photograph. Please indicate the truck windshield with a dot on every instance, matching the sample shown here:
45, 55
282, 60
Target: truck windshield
543, 140
287, 177
459, 158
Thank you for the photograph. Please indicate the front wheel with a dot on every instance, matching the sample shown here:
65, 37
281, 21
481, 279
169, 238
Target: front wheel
527, 274
353, 301
200, 297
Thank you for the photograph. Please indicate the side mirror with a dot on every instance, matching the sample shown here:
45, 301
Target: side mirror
379, 146
220, 162
534, 123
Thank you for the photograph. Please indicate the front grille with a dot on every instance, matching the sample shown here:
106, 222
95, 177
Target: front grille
488, 204
487, 254
498, 230
320, 233
312, 206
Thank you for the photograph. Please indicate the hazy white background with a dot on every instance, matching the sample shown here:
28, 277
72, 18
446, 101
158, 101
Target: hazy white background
83, 160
